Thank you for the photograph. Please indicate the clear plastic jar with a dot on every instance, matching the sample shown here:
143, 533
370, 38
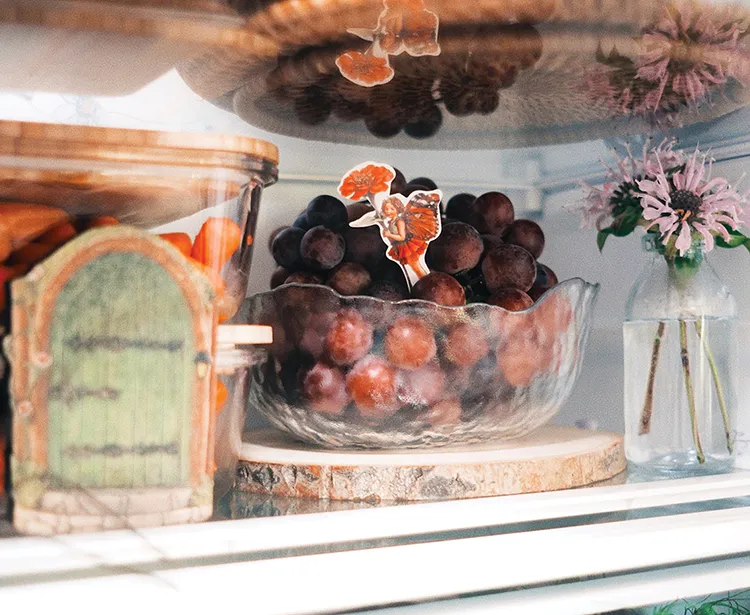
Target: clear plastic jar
57, 181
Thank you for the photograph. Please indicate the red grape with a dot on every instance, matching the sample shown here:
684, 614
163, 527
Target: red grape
545, 279
511, 299
527, 234
322, 248
279, 276
388, 290
303, 277
349, 279
286, 248
444, 413
508, 266
421, 387
458, 248
324, 387
465, 345
439, 288
372, 384
492, 213
349, 338
410, 343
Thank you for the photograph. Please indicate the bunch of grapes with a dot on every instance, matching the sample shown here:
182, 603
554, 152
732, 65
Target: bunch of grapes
483, 255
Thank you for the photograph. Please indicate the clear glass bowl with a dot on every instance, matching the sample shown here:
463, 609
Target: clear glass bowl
363, 372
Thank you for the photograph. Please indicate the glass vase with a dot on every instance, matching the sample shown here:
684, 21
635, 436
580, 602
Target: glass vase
679, 352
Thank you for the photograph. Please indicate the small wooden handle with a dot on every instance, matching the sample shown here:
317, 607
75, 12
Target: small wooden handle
244, 335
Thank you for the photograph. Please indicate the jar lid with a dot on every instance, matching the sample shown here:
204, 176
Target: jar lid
63, 141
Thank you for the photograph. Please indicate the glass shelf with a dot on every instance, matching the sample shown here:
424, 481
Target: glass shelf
645, 536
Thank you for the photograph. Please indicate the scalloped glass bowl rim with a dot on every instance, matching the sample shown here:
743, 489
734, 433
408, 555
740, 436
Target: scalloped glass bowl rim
576, 281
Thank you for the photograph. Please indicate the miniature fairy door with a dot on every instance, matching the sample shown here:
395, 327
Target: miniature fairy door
111, 384
121, 394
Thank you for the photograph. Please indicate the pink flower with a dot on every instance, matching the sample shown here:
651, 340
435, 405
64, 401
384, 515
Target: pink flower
598, 204
688, 203
686, 54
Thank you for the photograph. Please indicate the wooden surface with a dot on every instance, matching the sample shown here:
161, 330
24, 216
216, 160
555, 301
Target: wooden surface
551, 458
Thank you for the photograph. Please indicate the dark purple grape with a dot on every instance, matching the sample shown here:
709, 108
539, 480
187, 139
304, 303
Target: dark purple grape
388, 290
511, 299
412, 187
356, 210
349, 279
459, 207
424, 181
364, 246
545, 279
427, 125
382, 127
279, 276
273, 236
286, 248
527, 234
398, 183
328, 211
302, 222
508, 266
458, 248
388, 270
491, 241
439, 288
324, 388
492, 213
322, 249
313, 107
303, 277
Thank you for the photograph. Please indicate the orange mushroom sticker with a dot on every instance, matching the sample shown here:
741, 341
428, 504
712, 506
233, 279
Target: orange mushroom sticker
407, 224
403, 26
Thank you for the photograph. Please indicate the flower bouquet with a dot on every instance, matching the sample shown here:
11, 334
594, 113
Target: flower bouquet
679, 394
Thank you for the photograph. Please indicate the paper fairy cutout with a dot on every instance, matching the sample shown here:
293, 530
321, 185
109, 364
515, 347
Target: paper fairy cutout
407, 224
403, 26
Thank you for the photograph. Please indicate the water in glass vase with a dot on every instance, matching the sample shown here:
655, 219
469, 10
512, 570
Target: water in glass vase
678, 396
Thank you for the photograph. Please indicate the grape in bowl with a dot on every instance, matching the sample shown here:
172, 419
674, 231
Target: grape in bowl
341, 373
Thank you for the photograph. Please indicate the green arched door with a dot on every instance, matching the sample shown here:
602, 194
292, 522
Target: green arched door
121, 393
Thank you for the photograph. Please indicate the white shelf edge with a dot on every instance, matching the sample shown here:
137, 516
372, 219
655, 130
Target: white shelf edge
369, 578
29, 556
626, 591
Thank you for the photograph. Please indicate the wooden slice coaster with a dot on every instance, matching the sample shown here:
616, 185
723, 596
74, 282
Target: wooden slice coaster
550, 459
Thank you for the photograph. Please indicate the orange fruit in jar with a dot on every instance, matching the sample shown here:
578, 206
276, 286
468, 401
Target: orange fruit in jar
102, 221
215, 243
31, 253
216, 280
58, 235
181, 241
221, 395
5, 245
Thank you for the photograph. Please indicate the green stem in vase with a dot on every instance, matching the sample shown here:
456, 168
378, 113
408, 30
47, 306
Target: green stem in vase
717, 384
648, 404
689, 388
